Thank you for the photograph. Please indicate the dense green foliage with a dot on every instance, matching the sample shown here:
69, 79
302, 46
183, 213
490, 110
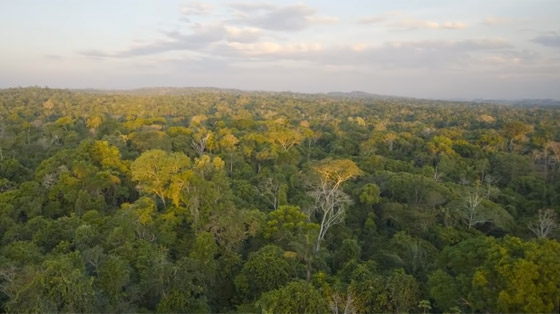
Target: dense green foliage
225, 201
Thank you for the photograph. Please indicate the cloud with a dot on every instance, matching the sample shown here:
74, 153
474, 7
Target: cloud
550, 40
451, 47
201, 36
499, 60
323, 19
196, 8
94, 53
401, 21
295, 17
359, 47
252, 6
509, 57
242, 34
251, 22
453, 25
477, 44
276, 49
407, 55
385, 17
494, 20
372, 19
53, 57
411, 24
398, 54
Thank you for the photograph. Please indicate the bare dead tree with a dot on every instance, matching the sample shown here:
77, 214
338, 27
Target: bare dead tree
340, 304
471, 210
489, 180
545, 223
269, 189
198, 143
331, 203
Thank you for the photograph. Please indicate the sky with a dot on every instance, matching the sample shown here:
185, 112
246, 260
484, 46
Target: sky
429, 48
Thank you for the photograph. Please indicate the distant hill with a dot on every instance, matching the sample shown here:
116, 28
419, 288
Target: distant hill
160, 90
354, 95
361, 95
524, 102
546, 102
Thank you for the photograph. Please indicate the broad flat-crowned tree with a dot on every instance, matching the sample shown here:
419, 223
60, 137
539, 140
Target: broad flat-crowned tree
150, 139
287, 224
443, 290
60, 285
515, 131
295, 297
290, 227
113, 275
185, 291
519, 276
228, 144
440, 146
403, 292
265, 270
370, 194
284, 138
485, 274
154, 171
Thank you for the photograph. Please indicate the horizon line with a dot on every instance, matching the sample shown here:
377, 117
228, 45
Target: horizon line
365, 93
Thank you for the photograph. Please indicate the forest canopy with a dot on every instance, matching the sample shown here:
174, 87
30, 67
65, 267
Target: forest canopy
207, 200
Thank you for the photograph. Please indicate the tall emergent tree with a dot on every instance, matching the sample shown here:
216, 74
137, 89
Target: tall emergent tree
154, 171
330, 201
